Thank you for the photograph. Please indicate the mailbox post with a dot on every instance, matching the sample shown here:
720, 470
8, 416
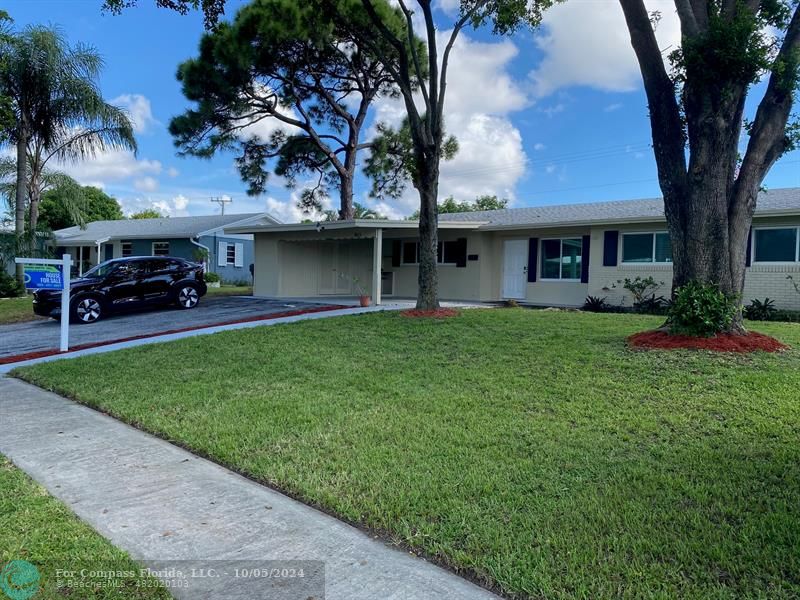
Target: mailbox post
44, 274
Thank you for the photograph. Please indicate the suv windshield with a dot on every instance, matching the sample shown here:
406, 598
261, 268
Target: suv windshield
102, 270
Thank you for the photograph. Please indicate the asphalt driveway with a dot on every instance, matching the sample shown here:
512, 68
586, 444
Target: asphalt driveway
21, 339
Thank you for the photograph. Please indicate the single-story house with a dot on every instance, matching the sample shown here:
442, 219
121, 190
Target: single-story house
543, 255
192, 238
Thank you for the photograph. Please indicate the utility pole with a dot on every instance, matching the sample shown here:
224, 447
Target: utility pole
222, 201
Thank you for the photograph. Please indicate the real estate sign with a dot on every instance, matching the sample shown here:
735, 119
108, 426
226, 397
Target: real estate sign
43, 277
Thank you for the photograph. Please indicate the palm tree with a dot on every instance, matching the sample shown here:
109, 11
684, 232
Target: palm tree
58, 110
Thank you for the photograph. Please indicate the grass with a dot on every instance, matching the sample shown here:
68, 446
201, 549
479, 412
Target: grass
16, 310
231, 290
37, 528
531, 450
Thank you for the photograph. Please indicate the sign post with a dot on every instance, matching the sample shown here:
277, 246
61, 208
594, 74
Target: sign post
51, 274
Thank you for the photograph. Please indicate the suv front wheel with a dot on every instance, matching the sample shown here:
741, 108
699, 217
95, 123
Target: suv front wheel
86, 309
187, 297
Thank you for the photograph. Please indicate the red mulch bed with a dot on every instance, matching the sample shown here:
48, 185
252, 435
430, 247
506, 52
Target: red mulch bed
440, 313
725, 342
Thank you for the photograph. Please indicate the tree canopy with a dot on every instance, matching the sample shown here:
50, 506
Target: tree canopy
93, 203
451, 205
289, 90
212, 9
148, 213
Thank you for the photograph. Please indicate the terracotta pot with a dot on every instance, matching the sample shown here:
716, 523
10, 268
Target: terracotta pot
364, 300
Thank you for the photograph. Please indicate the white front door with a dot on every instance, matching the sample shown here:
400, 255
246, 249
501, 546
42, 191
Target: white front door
515, 268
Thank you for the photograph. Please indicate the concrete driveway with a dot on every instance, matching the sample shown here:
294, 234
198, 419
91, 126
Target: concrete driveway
23, 339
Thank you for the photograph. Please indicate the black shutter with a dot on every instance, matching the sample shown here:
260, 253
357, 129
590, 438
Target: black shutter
585, 250
533, 257
610, 245
749, 259
461, 253
397, 249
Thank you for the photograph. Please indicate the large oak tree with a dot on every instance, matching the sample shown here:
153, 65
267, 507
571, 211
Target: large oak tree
697, 120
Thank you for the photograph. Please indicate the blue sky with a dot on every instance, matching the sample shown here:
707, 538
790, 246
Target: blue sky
553, 117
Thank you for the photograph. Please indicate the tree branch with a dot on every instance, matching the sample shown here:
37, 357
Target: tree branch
768, 135
665, 118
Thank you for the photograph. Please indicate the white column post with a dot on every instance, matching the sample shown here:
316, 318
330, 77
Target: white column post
80, 261
377, 253
65, 275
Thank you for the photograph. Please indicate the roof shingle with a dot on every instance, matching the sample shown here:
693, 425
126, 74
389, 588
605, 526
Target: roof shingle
784, 199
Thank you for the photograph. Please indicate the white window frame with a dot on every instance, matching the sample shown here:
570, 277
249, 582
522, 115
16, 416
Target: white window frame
230, 261
796, 260
540, 266
122, 245
153, 248
413, 264
622, 260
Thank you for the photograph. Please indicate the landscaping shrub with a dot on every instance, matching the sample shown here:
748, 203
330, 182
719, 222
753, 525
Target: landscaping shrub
652, 305
9, 287
595, 304
700, 309
759, 310
211, 277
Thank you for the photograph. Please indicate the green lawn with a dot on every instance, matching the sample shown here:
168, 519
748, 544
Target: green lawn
16, 310
37, 528
231, 290
530, 449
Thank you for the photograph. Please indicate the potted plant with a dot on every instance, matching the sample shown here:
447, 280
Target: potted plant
363, 297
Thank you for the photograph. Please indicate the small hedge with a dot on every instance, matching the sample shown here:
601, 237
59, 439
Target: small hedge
701, 310
211, 277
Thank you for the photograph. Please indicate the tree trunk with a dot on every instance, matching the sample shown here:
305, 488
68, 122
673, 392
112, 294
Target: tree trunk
22, 185
33, 211
428, 276
346, 211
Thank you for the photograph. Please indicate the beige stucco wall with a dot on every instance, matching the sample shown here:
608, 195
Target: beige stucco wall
455, 283
761, 280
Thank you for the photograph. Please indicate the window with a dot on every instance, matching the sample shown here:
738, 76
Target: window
127, 248
646, 248
776, 245
160, 248
231, 254
446, 253
561, 259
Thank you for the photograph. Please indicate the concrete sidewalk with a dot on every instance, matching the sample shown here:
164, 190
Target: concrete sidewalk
162, 504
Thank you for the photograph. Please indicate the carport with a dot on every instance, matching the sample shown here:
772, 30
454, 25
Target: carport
347, 258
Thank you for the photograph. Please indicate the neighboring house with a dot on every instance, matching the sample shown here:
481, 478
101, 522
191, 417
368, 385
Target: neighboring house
545, 255
186, 237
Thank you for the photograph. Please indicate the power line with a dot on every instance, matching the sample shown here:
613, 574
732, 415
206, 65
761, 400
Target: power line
222, 201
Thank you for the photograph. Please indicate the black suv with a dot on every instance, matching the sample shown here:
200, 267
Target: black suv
126, 284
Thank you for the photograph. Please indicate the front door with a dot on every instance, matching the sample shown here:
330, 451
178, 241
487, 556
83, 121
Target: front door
515, 268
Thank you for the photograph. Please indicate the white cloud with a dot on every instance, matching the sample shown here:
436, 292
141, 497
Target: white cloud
146, 184
613, 107
107, 167
480, 95
138, 109
176, 206
587, 43
173, 172
539, 147
553, 110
